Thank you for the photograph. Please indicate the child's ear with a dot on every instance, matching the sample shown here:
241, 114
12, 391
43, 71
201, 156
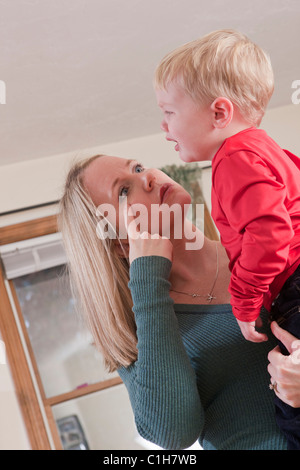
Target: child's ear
222, 109
122, 251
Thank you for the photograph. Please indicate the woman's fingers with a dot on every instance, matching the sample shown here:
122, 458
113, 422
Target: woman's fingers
285, 370
142, 243
291, 343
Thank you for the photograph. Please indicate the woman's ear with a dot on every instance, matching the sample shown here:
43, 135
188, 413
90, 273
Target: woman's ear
222, 109
121, 247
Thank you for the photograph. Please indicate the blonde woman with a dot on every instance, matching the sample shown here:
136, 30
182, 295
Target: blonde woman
160, 314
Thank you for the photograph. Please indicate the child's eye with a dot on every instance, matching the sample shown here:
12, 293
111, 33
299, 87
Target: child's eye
168, 113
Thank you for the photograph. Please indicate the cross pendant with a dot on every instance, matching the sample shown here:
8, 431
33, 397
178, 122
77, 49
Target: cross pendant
210, 297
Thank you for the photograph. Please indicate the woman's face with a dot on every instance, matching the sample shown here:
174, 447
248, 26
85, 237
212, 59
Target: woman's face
122, 183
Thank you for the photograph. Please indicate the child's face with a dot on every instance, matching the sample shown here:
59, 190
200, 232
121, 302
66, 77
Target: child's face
188, 124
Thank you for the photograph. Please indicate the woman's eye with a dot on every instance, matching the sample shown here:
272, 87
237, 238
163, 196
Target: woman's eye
123, 191
139, 168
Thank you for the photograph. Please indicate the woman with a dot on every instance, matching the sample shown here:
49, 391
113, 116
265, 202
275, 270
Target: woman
180, 354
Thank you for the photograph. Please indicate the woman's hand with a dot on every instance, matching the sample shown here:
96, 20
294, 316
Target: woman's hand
144, 243
285, 370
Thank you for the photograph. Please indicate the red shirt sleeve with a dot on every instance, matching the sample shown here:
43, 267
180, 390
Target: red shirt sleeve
253, 203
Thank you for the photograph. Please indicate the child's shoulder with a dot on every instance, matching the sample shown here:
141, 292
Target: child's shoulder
252, 141
249, 146
249, 139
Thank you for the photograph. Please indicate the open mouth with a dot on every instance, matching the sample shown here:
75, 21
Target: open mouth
176, 143
164, 190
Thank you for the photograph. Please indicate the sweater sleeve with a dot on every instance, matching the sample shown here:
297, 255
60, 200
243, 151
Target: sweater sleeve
161, 383
253, 201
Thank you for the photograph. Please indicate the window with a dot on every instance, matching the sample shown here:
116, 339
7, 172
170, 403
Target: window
68, 399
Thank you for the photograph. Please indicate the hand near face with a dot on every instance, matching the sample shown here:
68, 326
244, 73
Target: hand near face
144, 243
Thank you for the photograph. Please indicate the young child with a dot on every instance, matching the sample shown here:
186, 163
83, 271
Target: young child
213, 93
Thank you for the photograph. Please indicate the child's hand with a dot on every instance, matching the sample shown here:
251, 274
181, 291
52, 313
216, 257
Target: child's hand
249, 332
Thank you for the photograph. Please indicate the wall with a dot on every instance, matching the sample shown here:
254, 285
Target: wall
40, 181
12, 431
283, 125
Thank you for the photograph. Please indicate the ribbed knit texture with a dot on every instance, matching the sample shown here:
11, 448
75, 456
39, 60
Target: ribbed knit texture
196, 376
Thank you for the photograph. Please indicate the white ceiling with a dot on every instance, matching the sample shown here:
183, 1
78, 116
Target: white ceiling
78, 73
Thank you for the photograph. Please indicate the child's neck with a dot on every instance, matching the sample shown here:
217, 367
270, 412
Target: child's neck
238, 124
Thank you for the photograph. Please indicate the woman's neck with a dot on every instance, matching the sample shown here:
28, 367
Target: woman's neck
203, 271
190, 255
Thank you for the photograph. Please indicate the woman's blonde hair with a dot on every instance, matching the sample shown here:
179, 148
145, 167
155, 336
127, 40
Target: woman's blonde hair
223, 63
99, 276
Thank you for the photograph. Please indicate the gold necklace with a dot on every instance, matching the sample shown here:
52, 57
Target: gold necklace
209, 297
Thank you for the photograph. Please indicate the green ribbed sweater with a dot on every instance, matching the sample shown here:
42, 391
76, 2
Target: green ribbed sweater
196, 377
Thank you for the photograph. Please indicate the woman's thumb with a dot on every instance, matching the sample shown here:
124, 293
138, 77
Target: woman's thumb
284, 336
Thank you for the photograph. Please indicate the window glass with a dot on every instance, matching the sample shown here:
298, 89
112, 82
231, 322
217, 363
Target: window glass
63, 348
101, 420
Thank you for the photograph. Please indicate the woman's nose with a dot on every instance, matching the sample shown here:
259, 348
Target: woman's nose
148, 180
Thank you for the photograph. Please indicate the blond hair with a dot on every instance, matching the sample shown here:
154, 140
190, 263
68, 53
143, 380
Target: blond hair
99, 276
223, 63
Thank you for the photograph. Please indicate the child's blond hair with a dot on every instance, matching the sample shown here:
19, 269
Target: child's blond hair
223, 63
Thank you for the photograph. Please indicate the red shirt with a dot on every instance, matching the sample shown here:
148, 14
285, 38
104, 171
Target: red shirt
256, 208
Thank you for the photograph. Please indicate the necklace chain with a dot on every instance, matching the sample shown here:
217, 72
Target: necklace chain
209, 297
